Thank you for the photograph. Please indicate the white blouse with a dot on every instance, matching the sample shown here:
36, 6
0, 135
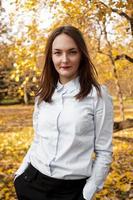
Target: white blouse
68, 132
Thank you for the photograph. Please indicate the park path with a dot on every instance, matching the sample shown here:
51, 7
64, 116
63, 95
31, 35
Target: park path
15, 116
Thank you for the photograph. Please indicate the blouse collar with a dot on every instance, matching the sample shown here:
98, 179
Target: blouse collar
69, 86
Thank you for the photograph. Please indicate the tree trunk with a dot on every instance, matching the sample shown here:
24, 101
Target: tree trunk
118, 88
25, 95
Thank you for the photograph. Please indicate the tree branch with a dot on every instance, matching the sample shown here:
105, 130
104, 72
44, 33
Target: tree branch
118, 57
128, 123
122, 14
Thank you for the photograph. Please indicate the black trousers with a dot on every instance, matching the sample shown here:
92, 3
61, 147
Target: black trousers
33, 185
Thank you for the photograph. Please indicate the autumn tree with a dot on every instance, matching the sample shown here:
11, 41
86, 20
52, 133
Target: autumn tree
107, 28
27, 46
108, 31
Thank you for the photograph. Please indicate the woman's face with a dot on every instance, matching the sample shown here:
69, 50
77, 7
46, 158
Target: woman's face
66, 57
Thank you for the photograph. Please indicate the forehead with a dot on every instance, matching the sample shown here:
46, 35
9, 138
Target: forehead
64, 41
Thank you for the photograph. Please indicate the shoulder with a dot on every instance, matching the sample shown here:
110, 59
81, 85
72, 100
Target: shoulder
103, 102
103, 90
105, 99
36, 101
105, 93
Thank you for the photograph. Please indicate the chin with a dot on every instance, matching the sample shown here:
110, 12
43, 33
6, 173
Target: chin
67, 75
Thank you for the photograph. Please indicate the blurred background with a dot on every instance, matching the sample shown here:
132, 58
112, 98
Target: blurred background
24, 28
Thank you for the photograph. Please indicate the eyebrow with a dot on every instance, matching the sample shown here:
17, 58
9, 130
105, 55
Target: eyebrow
68, 49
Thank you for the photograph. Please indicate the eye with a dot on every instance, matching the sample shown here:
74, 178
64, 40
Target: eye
73, 52
57, 53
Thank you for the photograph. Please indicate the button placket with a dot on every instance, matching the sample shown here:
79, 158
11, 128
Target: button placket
60, 103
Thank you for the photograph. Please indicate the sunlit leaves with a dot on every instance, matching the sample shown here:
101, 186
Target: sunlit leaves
12, 149
119, 181
29, 37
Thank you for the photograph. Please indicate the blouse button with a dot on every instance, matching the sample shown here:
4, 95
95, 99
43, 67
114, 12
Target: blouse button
27, 178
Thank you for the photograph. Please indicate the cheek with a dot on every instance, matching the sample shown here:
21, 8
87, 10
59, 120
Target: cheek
55, 61
76, 61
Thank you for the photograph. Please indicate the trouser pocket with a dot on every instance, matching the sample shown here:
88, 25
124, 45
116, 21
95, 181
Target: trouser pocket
25, 182
30, 173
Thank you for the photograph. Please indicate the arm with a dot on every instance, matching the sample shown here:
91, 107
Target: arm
103, 123
26, 159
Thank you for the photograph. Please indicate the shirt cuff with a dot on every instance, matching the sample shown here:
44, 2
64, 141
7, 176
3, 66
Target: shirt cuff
21, 169
89, 190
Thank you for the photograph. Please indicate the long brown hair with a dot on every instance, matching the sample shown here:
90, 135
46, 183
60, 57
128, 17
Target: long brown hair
49, 76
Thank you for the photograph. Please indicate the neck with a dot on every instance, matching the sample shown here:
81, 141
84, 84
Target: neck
63, 80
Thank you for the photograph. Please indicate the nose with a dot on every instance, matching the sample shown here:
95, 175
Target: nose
64, 58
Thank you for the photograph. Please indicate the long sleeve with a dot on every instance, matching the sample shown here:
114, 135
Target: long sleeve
26, 159
103, 123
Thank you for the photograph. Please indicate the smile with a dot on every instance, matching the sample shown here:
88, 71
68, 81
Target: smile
65, 67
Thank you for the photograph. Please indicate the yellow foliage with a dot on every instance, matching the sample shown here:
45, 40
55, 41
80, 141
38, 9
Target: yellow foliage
34, 79
125, 187
12, 76
17, 78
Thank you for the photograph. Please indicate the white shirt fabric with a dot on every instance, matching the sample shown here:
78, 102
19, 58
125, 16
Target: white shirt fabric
68, 132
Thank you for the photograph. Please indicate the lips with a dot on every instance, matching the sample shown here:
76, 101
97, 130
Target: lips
65, 67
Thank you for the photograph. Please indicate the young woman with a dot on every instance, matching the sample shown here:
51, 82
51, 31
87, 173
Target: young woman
73, 120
